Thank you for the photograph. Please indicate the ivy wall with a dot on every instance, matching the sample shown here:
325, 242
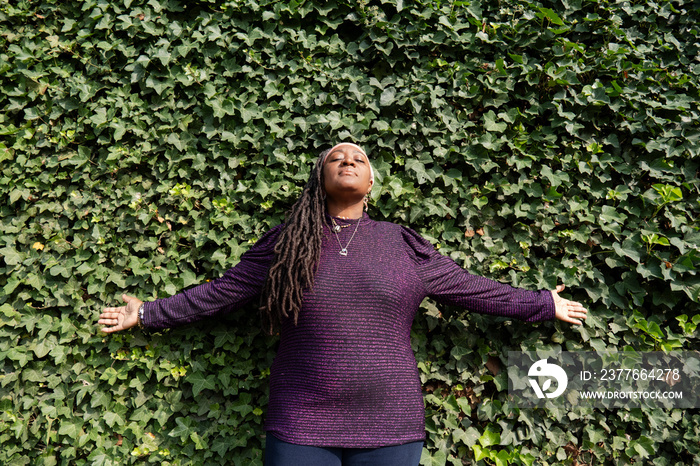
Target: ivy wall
145, 145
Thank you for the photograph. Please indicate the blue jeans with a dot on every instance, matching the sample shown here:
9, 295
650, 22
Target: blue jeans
279, 453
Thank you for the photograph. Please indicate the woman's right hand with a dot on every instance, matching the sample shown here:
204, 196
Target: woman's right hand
569, 311
116, 319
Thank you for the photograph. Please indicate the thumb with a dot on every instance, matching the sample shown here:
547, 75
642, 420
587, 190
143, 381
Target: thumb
127, 299
560, 288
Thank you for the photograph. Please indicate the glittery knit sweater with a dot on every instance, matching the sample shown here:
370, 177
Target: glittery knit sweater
346, 375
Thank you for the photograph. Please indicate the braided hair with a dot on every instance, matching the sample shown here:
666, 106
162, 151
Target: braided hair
296, 253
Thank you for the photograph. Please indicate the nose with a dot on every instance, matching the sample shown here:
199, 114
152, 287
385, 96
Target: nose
348, 160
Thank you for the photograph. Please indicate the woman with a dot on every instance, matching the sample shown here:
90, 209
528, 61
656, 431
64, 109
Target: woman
343, 289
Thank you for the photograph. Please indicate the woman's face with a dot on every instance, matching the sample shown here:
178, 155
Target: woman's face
346, 173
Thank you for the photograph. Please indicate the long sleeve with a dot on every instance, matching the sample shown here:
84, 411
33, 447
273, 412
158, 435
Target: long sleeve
237, 287
448, 283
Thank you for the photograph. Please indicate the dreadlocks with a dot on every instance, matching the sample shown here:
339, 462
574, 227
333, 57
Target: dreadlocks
297, 253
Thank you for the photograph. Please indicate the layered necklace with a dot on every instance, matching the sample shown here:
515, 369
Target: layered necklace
336, 228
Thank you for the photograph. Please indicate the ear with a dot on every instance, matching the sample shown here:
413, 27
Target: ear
371, 182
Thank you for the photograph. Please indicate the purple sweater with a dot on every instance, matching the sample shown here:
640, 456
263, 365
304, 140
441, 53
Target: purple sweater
346, 376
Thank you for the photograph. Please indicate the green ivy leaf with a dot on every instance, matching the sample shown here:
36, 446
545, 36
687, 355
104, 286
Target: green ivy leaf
491, 125
183, 429
438, 458
489, 438
644, 447
200, 382
71, 428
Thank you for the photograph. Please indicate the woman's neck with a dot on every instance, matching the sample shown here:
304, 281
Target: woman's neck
350, 211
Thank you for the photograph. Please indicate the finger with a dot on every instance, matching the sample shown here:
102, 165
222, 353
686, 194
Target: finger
574, 304
112, 312
111, 319
572, 319
112, 329
110, 325
572, 307
577, 309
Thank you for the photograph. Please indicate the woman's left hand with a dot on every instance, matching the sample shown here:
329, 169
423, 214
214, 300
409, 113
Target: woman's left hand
568, 311
116, 319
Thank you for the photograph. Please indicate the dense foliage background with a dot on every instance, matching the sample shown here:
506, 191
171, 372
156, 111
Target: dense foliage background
144, 145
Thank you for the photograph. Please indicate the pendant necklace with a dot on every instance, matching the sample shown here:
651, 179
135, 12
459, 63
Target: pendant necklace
336, 228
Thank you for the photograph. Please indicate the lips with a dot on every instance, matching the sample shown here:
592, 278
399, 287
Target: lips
347, 171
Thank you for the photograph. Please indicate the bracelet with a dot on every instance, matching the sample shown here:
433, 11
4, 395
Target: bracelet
139, 318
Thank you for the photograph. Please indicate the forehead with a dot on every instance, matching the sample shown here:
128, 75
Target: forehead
347, 147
